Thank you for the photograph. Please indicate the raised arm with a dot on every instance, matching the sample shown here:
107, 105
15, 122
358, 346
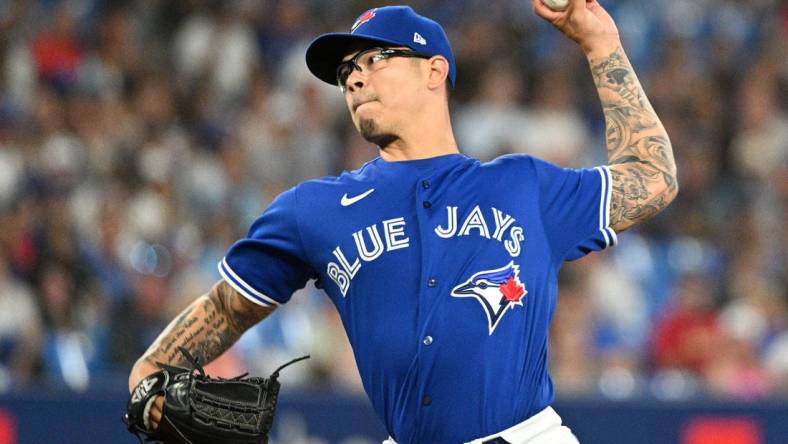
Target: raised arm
638, 147
207, 328
639, 150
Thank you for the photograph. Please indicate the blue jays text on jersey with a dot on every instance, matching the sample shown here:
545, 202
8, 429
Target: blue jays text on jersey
343, 271
444, 275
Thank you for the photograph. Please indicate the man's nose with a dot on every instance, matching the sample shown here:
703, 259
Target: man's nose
356, 80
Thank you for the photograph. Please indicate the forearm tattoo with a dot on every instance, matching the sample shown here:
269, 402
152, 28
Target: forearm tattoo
639, 151
207, 328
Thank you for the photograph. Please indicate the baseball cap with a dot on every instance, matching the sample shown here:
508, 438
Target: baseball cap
386, 26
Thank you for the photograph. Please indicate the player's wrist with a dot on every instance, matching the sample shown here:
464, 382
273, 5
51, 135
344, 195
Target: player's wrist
600, 47
141, 370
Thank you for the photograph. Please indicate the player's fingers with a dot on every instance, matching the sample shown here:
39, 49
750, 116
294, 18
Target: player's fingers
156, 411
546, 13
577, 4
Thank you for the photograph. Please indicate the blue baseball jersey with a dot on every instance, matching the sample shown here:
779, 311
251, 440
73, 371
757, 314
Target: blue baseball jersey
444, 271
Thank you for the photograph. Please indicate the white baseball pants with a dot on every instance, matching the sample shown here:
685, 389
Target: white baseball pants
544, 427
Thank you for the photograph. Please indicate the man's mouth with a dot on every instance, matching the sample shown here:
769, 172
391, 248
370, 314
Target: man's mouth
358, 105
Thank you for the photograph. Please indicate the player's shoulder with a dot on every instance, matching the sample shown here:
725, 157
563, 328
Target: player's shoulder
331, 182
525, 168
525, 162
315, 189
515, 161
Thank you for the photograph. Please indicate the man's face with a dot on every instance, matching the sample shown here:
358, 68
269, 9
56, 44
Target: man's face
383, 94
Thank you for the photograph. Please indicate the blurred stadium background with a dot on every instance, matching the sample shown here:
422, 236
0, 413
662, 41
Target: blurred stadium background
139, 138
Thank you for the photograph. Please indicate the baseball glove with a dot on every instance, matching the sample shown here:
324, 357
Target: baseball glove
199, 409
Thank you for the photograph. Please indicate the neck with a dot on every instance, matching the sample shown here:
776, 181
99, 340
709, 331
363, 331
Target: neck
422, 141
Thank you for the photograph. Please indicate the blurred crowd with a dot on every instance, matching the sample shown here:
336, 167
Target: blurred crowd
140, 138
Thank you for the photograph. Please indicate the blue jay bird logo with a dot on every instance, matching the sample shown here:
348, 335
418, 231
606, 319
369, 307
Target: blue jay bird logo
497, 290
363, 18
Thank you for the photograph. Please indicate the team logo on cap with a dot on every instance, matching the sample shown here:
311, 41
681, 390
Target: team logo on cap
497, 290
363, 18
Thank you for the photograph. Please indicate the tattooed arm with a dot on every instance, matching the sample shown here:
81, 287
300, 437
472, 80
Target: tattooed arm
207, 327
639, 151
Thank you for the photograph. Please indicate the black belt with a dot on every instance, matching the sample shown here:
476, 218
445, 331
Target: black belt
496, 441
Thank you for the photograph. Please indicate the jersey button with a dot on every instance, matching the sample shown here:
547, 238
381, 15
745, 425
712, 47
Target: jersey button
427, 400
427, 204
432, 282
428, 340
425, 184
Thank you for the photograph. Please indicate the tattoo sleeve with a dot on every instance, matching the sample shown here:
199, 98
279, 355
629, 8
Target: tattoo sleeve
639, 150
207, 327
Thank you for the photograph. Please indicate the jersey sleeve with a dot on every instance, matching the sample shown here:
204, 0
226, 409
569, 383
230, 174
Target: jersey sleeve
270, 263
575, 207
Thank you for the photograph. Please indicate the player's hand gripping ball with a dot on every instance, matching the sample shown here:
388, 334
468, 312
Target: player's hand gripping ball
556, 5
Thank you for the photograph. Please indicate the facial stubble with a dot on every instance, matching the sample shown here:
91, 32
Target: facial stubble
371, 133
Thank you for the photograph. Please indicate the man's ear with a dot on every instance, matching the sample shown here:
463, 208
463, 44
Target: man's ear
439, 71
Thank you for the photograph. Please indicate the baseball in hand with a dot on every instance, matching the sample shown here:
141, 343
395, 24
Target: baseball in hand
556, 5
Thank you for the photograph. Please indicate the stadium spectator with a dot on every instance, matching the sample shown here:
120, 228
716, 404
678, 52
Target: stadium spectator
138, 139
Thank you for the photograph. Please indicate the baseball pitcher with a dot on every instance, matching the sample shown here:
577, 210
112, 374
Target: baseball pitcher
443, 268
